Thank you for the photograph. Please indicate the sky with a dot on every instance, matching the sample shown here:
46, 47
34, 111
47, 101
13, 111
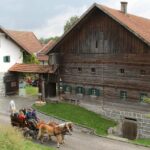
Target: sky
46, 18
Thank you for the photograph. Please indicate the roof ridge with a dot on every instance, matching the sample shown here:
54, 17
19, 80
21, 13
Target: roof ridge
128, 14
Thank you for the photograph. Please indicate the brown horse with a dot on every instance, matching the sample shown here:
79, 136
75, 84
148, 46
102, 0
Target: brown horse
51, 131
55, 129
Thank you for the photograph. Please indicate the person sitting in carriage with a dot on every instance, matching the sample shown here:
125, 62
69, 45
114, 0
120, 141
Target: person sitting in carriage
31, 118
21, 116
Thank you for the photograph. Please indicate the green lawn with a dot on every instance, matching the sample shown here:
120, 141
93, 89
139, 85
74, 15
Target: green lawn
144, 142
31, 90
78, 115
11, 139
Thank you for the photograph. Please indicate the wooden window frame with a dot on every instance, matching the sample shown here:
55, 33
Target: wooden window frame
6, 59
142, 95
79, 69
125, 96
122, 71
142, 72
93, 70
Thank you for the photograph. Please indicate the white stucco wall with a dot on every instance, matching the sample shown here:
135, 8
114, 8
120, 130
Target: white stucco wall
9, 48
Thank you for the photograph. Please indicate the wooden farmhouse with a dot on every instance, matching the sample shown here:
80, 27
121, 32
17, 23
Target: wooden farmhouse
105, 59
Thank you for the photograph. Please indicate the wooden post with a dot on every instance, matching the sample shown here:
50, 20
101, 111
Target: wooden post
43, 89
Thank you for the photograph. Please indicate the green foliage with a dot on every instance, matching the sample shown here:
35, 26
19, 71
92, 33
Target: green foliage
70, 23
144, 142
30, 59
78, 115
12, 139
146, 100
46, 40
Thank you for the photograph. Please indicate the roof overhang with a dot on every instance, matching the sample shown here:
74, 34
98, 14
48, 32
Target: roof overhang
33, 68
22, 46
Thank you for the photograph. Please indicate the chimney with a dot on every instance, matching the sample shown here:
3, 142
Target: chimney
124, 7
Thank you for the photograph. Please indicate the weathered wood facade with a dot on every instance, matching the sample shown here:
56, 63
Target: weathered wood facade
102, 59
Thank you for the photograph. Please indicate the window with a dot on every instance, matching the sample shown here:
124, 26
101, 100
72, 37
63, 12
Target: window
142, 96
79, 69
93, 70
121, 70
67, 88
80, 90
6, 58
94, 92
123, 95
96, 44
142, 72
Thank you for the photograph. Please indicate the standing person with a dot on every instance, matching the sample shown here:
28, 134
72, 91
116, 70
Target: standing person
12, 107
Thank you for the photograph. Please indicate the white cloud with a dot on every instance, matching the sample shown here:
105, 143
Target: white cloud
54, 25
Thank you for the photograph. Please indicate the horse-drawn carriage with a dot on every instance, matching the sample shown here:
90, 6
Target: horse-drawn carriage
37, 129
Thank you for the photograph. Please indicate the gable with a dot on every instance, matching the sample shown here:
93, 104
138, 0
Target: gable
25, 40
131, 23
99, 33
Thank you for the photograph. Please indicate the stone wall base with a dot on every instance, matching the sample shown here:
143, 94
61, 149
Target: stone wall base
2, 85
142, 118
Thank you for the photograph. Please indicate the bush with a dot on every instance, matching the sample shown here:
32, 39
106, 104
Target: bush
147, 100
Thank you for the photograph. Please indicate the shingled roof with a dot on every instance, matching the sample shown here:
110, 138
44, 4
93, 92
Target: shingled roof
41, 55
32, 68
139, 26
47, 46
26, 40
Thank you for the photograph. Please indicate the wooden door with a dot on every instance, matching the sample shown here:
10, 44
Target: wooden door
129, 129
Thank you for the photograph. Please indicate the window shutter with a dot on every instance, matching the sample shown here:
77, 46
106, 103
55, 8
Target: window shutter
97, 92
64, 88
83, 90
4, 59
8, 57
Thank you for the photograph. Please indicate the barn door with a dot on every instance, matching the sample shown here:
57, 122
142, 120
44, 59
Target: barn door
11, 84
50, 90
129, 129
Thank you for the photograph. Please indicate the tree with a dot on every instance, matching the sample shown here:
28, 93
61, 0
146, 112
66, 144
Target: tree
70, 23
30, 59
46, 40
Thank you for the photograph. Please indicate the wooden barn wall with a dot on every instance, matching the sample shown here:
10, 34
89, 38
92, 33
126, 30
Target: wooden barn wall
109, 36
100, 42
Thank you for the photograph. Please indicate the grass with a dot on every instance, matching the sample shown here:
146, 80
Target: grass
12, 139
144, 142
78, 115
31, 91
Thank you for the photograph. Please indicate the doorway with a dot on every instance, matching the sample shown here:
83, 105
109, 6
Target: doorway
129, 128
